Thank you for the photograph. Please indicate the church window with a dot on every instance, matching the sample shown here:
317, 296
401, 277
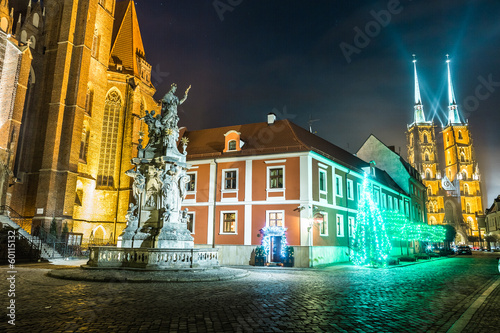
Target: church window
467, 208
84, 145
425, 138
429, 190
464, 174
89, 99
426, 157
109, 140
460, 137
95, 44
432, 220
462, 157
24, 36
466, 189
447, 137
36, 20
428, 174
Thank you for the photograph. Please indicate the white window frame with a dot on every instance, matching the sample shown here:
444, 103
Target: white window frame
351, 221
350, 189
323, 171
221, 232
235, 145
223, 185
195, 173
339, 225
338, 186
268, 180
325, 223
376, 194
268, 212
193, 220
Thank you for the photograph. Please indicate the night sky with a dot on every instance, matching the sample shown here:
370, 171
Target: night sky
252, 57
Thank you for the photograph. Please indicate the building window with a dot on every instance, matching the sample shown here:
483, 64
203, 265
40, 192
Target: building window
426, 157
88, 101
429, 190
340, 225
231, 145
228, 223
276, 176
384, 200
460, 137
467, 208
351, 221
275, 218
95, 44
425, 138
230, 180
322, 220
466, 189
350, 190
376, 195
338, 185
191, 184
462, 157
190, 222
359, 191
322, 181
109, 140
84, 145
36, 20
389, 201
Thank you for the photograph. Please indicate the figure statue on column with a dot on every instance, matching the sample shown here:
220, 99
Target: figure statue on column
169, 106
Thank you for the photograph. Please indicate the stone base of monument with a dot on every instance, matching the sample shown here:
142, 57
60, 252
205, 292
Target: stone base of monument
152, 258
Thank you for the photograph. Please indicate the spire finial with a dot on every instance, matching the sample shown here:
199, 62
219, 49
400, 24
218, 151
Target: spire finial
453, 117
419, 110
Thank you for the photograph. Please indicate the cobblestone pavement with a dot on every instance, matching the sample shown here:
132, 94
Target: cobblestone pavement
428, 297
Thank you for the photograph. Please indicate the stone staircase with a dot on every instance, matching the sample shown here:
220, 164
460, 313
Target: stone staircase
46, 251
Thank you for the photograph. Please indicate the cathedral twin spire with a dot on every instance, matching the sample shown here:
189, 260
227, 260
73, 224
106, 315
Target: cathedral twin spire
419, 116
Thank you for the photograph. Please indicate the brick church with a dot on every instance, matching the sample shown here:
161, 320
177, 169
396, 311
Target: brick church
454, 193
76, 85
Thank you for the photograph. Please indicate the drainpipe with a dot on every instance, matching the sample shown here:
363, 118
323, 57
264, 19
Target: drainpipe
215, 204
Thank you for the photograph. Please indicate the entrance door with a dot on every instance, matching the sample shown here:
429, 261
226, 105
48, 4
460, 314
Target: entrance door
276, 249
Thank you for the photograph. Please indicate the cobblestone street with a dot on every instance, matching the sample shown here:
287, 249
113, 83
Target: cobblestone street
426, 297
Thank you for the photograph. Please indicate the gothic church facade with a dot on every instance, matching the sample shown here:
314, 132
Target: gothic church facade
453, 190
87, 86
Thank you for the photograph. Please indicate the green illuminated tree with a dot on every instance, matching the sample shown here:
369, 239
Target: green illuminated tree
371, 245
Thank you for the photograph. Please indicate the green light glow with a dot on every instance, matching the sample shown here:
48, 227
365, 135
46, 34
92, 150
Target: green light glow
400, 227
371, 245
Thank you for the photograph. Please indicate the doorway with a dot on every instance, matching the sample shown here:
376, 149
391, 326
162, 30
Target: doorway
276, 249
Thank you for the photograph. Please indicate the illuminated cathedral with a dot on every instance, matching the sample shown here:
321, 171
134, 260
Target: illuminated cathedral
80, 85
449, 169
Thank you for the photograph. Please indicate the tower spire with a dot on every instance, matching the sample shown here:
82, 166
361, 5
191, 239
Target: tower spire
453, 117
419, 110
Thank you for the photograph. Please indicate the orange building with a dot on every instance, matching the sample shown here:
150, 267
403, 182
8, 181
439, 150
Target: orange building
275, 182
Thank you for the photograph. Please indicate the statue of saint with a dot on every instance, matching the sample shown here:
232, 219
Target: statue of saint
169, 106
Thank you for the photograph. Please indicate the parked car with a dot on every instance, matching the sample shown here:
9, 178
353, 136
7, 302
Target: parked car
464, 250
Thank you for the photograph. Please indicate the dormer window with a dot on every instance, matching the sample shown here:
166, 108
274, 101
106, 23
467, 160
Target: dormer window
232, 141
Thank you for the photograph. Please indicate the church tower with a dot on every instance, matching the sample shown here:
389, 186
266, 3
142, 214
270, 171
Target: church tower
461, 169
423, 156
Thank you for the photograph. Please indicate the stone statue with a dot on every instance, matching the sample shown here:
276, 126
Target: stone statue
139, 183
169, 106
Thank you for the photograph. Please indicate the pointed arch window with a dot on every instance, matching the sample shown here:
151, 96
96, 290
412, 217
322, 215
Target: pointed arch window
467, 208
109, 140
460, 136
429, 190
466, 189
36, 20
425, 138
426, 157
462, 157
84, 144
89, 100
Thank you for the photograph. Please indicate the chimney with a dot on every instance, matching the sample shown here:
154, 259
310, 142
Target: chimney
271, 118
